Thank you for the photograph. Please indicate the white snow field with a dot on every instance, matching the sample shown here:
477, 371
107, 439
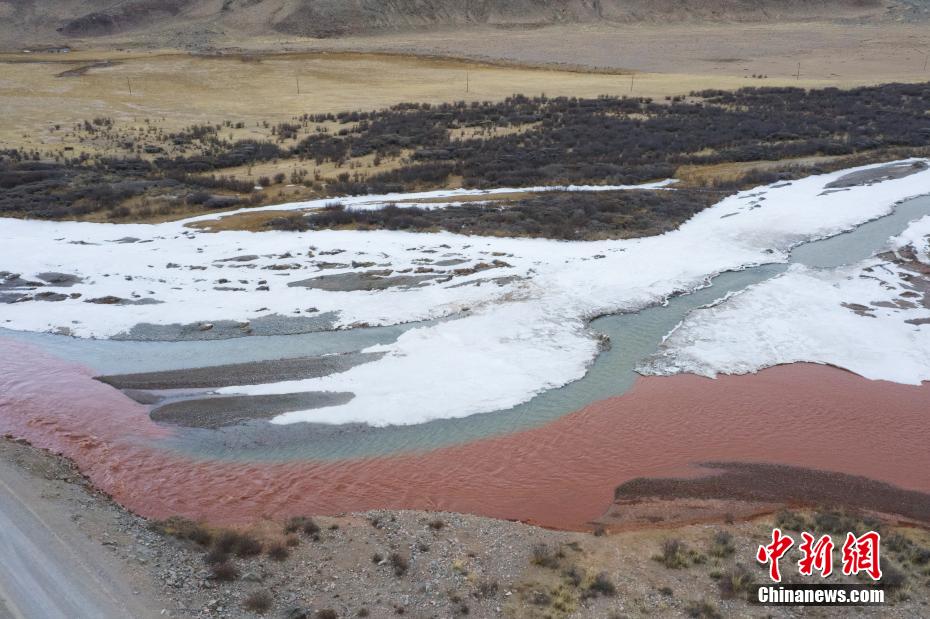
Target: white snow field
867, 318
369, 203
515, 329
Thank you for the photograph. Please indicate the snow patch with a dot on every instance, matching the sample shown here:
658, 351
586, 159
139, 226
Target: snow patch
868, 318
518, 328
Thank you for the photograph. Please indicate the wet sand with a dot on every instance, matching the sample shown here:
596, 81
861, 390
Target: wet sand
751, 488
220, 411
561, 475
252, 373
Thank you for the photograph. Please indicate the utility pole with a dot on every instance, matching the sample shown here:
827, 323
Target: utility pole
798, 76
298, 85
632, 77
129, 84
926, 58
467, 84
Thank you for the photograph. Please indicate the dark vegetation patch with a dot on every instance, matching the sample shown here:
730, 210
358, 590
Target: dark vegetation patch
676, 555
702, 609
302, 524
774, 483
622, 140
278, 551
722, 545
224, 572
555, 215
183, 529
738, 582
607, 140
258, 602
601, 584
399, 563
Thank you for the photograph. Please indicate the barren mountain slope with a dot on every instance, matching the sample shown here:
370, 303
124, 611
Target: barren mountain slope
322, 18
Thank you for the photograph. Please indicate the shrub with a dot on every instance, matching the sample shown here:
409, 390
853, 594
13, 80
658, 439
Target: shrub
920, 556
258, 602
839, 522
791, 521
240, 544
601, 585
893, 579
327, 613
573, 575
897, 543
722, 544
224, 572
436, 525
248, 546
226, 541
560, 215
200, 536
702, 609
277, 552
544, 556
303, 524
215, 556
738, 582
182, 528
674, 554
399, 563
486, 588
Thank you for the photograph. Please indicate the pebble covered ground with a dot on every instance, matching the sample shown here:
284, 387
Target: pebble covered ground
424, 564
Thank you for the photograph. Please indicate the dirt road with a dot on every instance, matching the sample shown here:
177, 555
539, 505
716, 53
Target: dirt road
48, 567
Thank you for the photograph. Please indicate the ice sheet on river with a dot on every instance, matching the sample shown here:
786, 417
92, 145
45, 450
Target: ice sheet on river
519, 306
872, 318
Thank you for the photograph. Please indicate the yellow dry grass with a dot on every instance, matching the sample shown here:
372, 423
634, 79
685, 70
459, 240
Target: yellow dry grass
175, 90
497, 197
248, 221
708, 175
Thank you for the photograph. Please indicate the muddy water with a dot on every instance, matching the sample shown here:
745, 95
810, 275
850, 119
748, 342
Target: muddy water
538, 461
559, 475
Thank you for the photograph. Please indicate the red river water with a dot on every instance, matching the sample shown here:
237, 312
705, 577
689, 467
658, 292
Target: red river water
560, 475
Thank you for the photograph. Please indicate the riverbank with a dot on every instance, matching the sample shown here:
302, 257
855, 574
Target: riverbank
427, 564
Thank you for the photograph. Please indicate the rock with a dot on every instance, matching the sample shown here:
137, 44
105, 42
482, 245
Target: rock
297, 613
107, 300
206, 326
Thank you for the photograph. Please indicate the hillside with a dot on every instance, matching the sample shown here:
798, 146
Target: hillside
49, 20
